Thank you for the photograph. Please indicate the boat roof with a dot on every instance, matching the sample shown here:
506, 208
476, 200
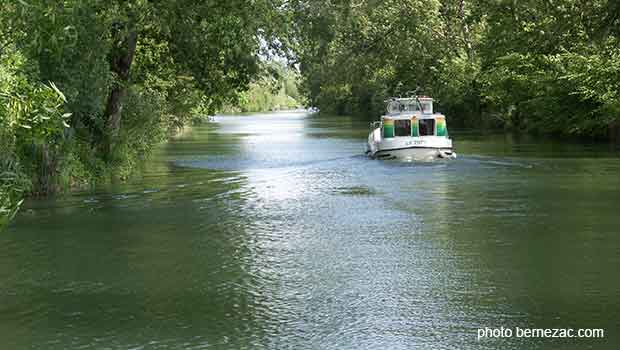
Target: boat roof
409, 99
411, 115
412, 105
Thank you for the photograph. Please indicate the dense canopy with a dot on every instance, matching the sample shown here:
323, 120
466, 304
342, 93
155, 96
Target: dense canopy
549, 66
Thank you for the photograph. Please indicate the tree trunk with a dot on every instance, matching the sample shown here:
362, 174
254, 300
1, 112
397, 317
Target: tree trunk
614, 131
45, 178
120, 63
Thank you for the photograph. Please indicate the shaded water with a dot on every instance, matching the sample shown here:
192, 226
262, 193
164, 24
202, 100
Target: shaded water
275, 232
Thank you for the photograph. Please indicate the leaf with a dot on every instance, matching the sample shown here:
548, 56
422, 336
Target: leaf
16, 209
67, 115
62, 96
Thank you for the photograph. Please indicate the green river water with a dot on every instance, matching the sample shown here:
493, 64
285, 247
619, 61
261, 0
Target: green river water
274, 231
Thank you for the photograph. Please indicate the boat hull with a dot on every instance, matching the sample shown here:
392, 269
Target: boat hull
415, 154
427, 148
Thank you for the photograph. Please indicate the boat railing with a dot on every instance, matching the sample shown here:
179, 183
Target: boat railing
400, 105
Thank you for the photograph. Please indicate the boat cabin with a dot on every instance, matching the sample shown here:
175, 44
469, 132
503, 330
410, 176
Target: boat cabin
412, 117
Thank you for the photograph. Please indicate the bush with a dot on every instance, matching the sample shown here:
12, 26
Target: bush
32, 131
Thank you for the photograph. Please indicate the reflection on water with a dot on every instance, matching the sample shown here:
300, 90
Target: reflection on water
274, 231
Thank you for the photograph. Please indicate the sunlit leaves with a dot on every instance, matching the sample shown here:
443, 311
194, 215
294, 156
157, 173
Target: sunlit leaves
37, 111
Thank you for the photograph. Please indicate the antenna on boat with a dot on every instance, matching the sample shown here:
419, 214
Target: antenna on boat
419, 103
414, 94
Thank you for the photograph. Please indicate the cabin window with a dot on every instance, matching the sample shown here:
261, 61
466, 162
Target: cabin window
426, 127
402, 127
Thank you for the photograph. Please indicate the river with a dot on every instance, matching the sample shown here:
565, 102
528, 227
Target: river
274, 231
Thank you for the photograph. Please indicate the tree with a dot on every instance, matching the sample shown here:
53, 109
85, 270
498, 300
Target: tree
175, 55
542, 66
101, 82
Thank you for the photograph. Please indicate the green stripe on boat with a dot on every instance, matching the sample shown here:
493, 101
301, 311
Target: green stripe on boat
441, 126
414, 127
388, 127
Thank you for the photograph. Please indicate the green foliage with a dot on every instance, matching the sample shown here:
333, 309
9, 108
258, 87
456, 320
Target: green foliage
35, 112
146, 123
191, 57
541, 66
276, 90
10, 196
370, 50
555, 70
13, 182
33, 115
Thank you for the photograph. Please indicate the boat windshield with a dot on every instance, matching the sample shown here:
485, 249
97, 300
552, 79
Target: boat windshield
410, 106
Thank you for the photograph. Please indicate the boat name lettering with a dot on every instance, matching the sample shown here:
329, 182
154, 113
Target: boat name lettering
414, 143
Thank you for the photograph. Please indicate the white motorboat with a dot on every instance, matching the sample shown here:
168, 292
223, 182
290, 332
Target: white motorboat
410, 131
